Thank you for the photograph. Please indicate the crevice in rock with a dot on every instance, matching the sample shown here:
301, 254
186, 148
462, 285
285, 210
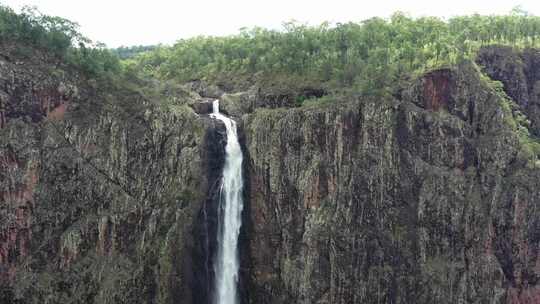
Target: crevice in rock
247, 225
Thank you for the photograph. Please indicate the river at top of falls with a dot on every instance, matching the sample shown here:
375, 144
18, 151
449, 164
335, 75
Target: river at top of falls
229, 215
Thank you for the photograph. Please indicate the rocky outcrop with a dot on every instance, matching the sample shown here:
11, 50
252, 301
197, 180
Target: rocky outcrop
243, 102
519, 71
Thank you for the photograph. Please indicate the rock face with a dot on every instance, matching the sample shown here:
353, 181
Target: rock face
94, 207
519, 71
420, 200
429, 198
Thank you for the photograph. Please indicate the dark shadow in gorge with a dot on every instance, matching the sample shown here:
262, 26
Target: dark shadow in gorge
247, 224
205, 228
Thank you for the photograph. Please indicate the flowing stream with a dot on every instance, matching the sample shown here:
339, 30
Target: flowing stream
229, 215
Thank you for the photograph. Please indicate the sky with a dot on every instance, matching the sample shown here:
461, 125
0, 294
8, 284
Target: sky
145, 22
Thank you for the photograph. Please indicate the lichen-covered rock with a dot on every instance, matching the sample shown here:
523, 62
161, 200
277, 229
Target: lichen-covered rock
418, 200
204, 89
96, 207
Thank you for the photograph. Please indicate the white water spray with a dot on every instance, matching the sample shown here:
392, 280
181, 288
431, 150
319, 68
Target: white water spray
229, 215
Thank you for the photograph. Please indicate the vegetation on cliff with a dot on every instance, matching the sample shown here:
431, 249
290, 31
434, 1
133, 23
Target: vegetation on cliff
370, 56
375, 56
57, 36
126, 52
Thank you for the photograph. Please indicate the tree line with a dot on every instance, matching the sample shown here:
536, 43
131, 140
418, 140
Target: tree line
370, 55
58, 37
126, 52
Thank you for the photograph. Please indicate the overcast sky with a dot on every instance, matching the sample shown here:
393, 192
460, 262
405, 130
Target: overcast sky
134, 22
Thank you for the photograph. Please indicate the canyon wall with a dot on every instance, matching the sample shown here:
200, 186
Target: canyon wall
431, 195
422, 199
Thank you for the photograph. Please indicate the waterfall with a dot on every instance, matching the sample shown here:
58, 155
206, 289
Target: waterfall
229, 215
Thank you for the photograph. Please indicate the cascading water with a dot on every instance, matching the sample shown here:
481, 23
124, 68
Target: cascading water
229, 215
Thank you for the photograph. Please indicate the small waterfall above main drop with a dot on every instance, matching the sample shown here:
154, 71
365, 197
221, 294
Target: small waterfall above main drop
227, 262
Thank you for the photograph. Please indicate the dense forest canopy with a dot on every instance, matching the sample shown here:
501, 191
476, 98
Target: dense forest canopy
370, 57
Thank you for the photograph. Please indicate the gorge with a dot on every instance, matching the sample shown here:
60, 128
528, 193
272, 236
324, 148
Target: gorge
333, 186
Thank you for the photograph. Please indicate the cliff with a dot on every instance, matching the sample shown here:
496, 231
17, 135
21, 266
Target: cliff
107, 195
98, 197
422, 199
